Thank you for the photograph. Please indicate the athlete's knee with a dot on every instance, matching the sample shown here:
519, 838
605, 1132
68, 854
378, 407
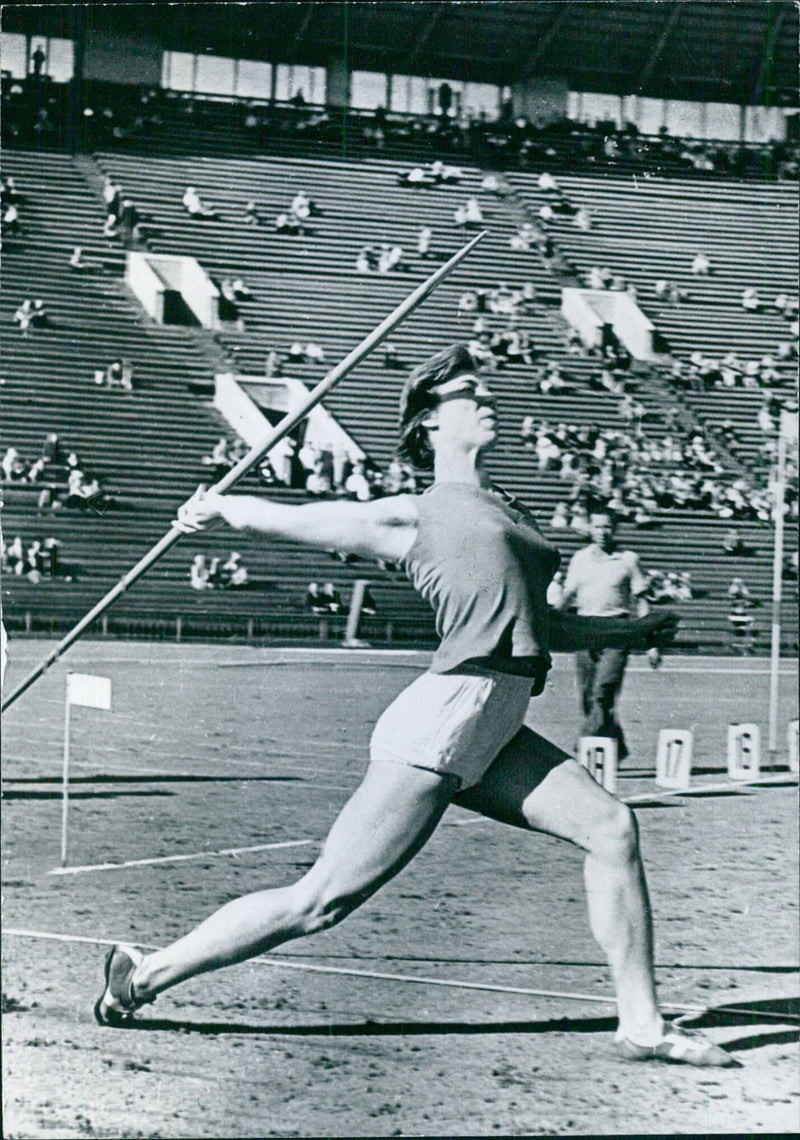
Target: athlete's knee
615, 833
319, 905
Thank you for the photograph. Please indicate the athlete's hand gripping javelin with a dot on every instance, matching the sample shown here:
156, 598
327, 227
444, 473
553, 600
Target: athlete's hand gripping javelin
201, 512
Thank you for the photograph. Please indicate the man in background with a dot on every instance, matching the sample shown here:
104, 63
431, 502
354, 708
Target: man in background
603, 581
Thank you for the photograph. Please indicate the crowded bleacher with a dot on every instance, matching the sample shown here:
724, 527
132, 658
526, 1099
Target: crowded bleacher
309, 250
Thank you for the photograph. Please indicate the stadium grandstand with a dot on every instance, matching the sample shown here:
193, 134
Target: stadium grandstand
205, 207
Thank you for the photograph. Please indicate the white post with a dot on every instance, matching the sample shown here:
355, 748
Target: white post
65, 786
354, 616
777, 577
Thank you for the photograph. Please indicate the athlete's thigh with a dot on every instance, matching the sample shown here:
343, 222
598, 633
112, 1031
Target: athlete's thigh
385, 822
536, 785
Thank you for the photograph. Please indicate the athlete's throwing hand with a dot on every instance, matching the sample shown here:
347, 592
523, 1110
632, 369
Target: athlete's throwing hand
201, 512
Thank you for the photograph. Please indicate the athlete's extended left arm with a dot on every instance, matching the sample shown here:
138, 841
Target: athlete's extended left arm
570, 631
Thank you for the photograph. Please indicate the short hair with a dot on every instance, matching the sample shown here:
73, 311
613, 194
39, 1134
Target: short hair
417, 401
600, 507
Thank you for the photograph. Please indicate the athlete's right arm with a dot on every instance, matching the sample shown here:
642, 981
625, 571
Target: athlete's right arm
382, 528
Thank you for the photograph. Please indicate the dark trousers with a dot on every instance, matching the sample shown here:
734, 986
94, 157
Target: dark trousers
600, 673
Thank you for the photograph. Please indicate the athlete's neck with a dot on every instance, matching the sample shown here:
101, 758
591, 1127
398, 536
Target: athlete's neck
452, 465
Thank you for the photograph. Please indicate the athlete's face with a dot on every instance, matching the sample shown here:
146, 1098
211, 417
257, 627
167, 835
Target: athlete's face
465, 412
601, 530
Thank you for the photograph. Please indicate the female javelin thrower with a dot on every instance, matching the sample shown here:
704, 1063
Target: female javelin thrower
456, 734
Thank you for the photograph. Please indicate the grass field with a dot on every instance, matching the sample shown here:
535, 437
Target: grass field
209, 749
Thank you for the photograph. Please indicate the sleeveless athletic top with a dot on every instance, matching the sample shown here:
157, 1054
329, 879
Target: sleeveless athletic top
484, 567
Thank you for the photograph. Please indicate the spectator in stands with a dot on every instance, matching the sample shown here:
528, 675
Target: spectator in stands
11, 223
12, 465
241, 290
560, 516
391, 358
525, 237
8, 190
40, 317
288, 224
314, 599
251, 214
198, 573
701, 265
314, 353
424, 242
303, 208
751, 300
234, 574
414, 177
112, 196
273, 365
547, 184
38, 59
319, 480
739, 592
219, 459
14, 557
24, 316
119, 374
332, 598
369, 607
555, 591
77, 261
195, 207
366, 262
357, 486
469, 214
742, 625
583, 220
785, 305
51, 448
733, 544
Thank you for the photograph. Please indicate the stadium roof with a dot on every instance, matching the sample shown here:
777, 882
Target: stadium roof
740, 51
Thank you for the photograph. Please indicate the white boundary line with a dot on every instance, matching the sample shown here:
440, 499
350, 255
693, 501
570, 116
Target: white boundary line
422, 980
781, 778
178, 858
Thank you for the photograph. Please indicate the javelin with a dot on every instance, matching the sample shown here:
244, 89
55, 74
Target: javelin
257, 452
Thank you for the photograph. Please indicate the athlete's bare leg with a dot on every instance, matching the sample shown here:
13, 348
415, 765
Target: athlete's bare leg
534, 784
383, 825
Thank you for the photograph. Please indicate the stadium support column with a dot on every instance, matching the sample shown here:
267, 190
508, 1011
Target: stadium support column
787, 437
540, 99
338, 83
78, 143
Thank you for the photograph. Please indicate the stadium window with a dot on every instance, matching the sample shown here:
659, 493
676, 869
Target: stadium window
432, 106
684, 119
650, 117
409, 94
60, 62
254, 79
214, 75
367, 90
595, 107
764, 124
292, 79
478, 98
177, 71
13, 50
722, 121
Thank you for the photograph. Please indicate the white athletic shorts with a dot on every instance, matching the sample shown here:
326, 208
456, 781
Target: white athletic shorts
453, 723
